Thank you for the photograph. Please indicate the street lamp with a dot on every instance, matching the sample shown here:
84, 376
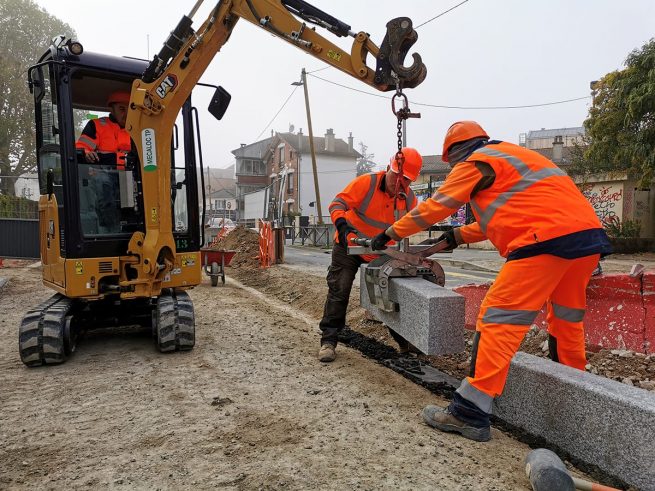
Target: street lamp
303, 82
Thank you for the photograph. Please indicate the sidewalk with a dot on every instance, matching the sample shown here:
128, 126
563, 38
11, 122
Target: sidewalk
490, 260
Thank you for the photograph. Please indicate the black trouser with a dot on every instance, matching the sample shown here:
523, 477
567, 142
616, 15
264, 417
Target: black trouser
341, 275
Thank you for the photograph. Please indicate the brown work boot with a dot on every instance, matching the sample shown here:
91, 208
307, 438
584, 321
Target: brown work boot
327, 353
442, 419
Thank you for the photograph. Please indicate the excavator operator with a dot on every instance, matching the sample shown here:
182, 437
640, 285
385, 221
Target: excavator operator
107, 135
537, 218
105, 141
362, 209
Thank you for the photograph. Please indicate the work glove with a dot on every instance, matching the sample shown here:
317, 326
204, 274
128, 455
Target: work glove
343, 230
379, 242
450, 237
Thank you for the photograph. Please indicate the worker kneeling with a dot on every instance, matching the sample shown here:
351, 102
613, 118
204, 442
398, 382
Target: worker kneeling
363, 209
538, 219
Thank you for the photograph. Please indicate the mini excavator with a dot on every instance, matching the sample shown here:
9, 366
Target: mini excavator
136, 268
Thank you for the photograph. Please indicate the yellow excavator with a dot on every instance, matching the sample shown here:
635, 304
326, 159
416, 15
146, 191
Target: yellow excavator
134, 269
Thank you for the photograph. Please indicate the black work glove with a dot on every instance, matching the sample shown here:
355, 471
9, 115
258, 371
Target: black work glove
379, 242
343, 229
450, 237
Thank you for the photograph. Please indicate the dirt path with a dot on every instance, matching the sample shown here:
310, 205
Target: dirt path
248, 408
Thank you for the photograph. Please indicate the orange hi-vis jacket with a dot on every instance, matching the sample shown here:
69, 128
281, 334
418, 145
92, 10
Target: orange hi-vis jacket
110, 138
531, 200
367, 207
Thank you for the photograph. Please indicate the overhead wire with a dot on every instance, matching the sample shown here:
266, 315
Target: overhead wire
278, 112
442, 106
442, 13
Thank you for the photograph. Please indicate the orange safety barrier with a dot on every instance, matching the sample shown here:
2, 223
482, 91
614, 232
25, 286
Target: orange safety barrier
266, 245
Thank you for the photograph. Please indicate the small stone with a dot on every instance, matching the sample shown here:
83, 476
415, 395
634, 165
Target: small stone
627, 381
647, 384
544, 346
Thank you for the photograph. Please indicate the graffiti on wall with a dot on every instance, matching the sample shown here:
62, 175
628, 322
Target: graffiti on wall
607, 201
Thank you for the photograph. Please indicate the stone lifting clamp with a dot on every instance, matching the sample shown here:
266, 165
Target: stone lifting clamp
394, 263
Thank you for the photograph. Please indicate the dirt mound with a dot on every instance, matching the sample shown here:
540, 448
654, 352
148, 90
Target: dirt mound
245, 242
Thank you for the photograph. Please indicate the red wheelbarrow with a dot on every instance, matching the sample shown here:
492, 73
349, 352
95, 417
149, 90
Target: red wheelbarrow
214, 262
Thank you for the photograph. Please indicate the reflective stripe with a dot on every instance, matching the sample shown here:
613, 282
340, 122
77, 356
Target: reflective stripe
418, 220
568, 314
529, 178
369, 193
369, 221
447, 201
513, 317
88, 141
476, 396
338, 204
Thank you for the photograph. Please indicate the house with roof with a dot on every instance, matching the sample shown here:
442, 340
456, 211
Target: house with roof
555, 144
286, 177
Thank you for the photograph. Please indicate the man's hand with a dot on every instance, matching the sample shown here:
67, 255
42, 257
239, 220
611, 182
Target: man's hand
450, 237
344, 229
91, 157
379, 242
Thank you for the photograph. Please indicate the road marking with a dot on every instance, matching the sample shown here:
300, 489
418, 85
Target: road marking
462, 275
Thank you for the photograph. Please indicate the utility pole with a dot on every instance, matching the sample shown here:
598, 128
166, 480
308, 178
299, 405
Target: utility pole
303, 82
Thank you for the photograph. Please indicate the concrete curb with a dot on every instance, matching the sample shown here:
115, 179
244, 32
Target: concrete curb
598, 420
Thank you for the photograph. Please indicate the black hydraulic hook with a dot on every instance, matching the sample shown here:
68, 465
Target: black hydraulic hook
400, 37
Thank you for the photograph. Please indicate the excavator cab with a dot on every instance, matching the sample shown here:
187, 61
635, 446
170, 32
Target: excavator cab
89, 212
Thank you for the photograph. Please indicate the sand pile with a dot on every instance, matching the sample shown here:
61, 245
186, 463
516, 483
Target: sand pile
245, 242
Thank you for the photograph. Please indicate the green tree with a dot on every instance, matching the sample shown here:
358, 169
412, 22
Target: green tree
364, 163
621, 123
25, 32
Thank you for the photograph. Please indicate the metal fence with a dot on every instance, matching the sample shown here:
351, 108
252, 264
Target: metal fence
19, 218
315, 235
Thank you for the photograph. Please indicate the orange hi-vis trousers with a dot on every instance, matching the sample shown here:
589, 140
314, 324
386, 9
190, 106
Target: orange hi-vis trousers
509, 309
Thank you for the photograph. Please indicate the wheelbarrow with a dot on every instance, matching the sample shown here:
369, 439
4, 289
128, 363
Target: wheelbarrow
214, 262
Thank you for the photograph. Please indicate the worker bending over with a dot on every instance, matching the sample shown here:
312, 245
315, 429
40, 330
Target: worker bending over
538, 219
363, 209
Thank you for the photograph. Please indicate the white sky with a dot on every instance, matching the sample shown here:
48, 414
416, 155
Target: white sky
483, 53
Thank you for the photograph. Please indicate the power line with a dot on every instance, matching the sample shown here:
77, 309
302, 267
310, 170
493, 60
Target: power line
278, 112
441, 106
442, 13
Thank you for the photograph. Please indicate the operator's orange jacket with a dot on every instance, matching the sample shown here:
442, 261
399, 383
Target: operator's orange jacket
367, 207
531, 200
109, 138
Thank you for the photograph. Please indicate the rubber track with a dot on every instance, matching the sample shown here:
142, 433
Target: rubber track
175, 322
41, 333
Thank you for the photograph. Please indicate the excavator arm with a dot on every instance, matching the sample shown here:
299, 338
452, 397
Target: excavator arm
158, 96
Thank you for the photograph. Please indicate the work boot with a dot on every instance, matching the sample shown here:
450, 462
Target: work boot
442, 419
327, 353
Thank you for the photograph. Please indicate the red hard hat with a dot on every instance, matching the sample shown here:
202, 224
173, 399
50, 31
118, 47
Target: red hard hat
460, 132
411, 165
120, 97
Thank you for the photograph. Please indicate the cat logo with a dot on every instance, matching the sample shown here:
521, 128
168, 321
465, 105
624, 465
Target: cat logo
167, 85
78, 267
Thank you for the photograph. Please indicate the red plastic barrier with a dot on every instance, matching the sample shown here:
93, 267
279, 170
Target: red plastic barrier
615, 312
649, 307
619, 314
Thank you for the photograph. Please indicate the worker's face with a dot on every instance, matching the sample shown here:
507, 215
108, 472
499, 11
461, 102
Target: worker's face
119, 111
396, 182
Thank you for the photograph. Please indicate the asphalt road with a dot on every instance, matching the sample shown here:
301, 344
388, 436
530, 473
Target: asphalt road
316, 261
